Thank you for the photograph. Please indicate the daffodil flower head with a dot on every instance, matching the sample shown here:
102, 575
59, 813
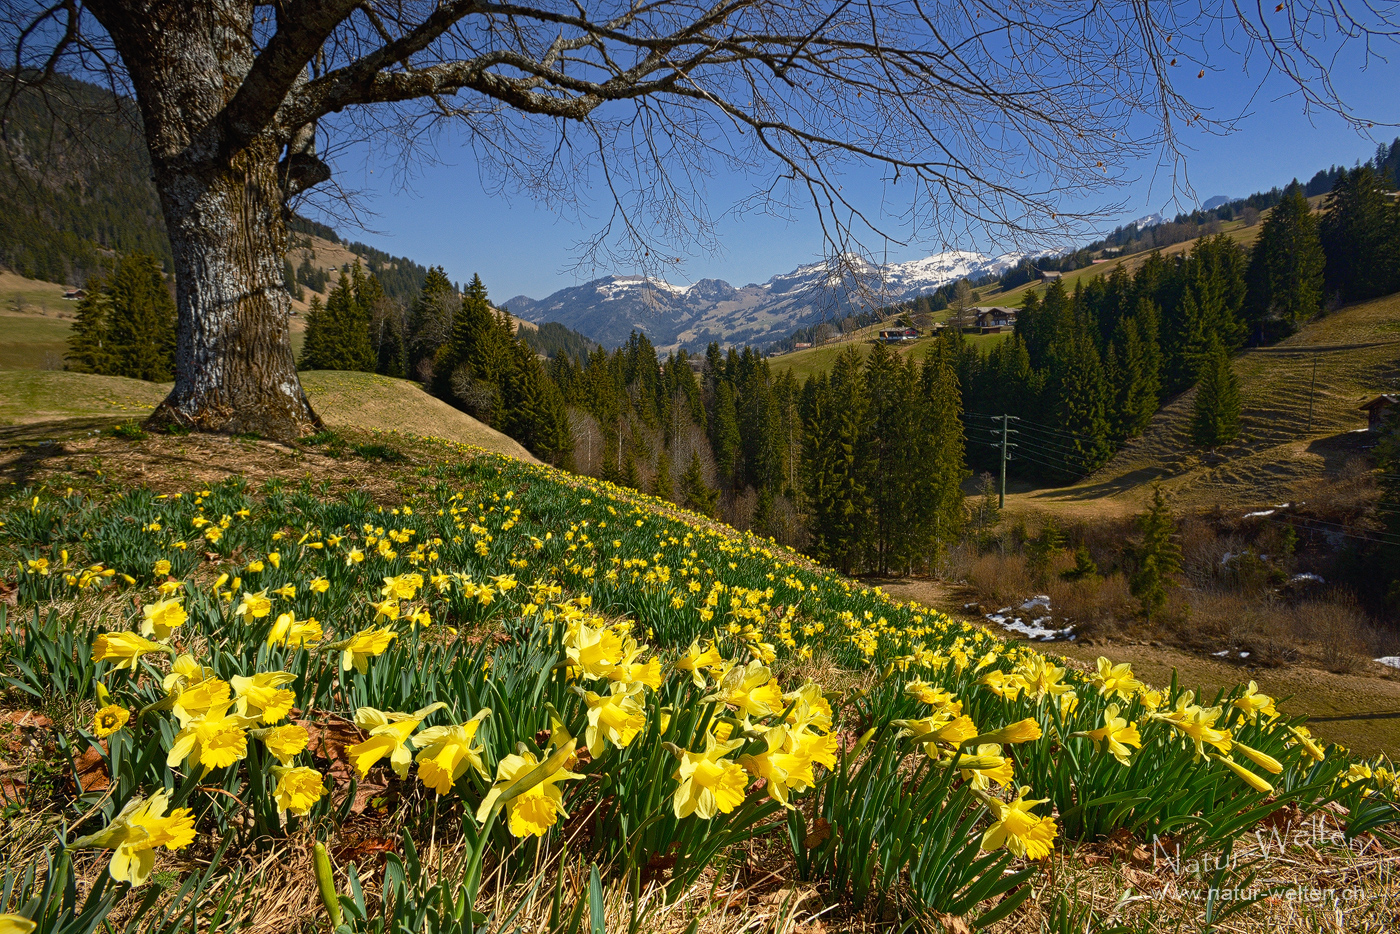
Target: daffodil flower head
161, 618
535, 810
184, 672
297, 790
215, 740
136, 832
1115, 680
1014, 826
262, 695
751, 690
388, 736
446, 752
123, 648
1253, 703
109, 720
257, 605
985, 766
1116, 735
363, 646
709, 783
294, 633
197, 699
784, 766
285, 742
616, 717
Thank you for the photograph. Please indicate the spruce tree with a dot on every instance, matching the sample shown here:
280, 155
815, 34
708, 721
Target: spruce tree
141, 323
313, 341
725, 440
1076, 398
1285, 269
698, 495
1357, 235
661, 486
89, 348
1158, 557
1215, 413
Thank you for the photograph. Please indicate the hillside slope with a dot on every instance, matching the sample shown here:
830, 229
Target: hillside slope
50, 404
1353, 354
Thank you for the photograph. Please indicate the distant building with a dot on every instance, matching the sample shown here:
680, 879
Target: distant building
993, 320
1379, 408
895, 335
800, 346
1048, 276
74, 295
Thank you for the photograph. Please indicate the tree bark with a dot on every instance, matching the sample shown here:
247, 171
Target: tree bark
222, 193
235, 371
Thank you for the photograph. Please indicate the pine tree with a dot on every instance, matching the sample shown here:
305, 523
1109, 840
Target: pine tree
1285, 269
337, 335
141, 323
1158, 557
941, 460
1215, 414
1076, 397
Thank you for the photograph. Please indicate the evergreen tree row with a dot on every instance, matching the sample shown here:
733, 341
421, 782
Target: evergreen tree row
125, 324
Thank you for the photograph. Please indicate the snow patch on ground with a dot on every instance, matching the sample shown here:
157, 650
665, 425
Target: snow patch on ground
1391, 661
1039, 628
1306, 576
1262, 512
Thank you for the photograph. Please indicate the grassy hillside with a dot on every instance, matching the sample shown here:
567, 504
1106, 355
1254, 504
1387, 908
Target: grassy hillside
528, 616
38, 404
1354, 353
806, 362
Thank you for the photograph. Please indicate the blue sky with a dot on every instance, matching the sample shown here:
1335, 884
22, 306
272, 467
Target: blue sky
444, 217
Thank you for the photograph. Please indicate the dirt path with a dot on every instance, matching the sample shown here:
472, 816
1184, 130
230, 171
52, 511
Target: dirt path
1361, 711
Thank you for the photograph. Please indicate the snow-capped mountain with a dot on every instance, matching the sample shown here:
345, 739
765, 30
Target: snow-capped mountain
610, 308
1151, 220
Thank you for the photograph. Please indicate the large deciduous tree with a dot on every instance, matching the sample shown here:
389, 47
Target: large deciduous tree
983, 117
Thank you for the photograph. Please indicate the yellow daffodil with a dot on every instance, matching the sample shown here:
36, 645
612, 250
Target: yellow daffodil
285, 742
294, 633
1014, 826
402, 587
136, 832
257, 605
185, 672
1304, 739
446, 752
709, 783
811, 709
319, 585
162, 617
1117, 735
1040, 677
985, 766
15, 924
262, 695
1253, 703
215, 740
363, 646
615, 717
298, 789
1197, 724
161, 568
109, 719
535, 810
696, 660
784, 766
1250, 779
190, 701
1262, 759
1115, 680
123, 648
594, 651
1006, 685
1022, 731
388, 736
751, 690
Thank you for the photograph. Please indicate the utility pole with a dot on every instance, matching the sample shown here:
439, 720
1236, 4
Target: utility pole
1004, 444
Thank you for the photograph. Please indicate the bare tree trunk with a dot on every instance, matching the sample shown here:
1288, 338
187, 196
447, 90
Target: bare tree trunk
222, 191
234, 363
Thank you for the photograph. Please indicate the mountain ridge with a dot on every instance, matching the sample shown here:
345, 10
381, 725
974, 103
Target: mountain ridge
610, 307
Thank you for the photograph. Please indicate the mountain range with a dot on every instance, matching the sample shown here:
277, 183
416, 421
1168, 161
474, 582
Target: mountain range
610, 308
